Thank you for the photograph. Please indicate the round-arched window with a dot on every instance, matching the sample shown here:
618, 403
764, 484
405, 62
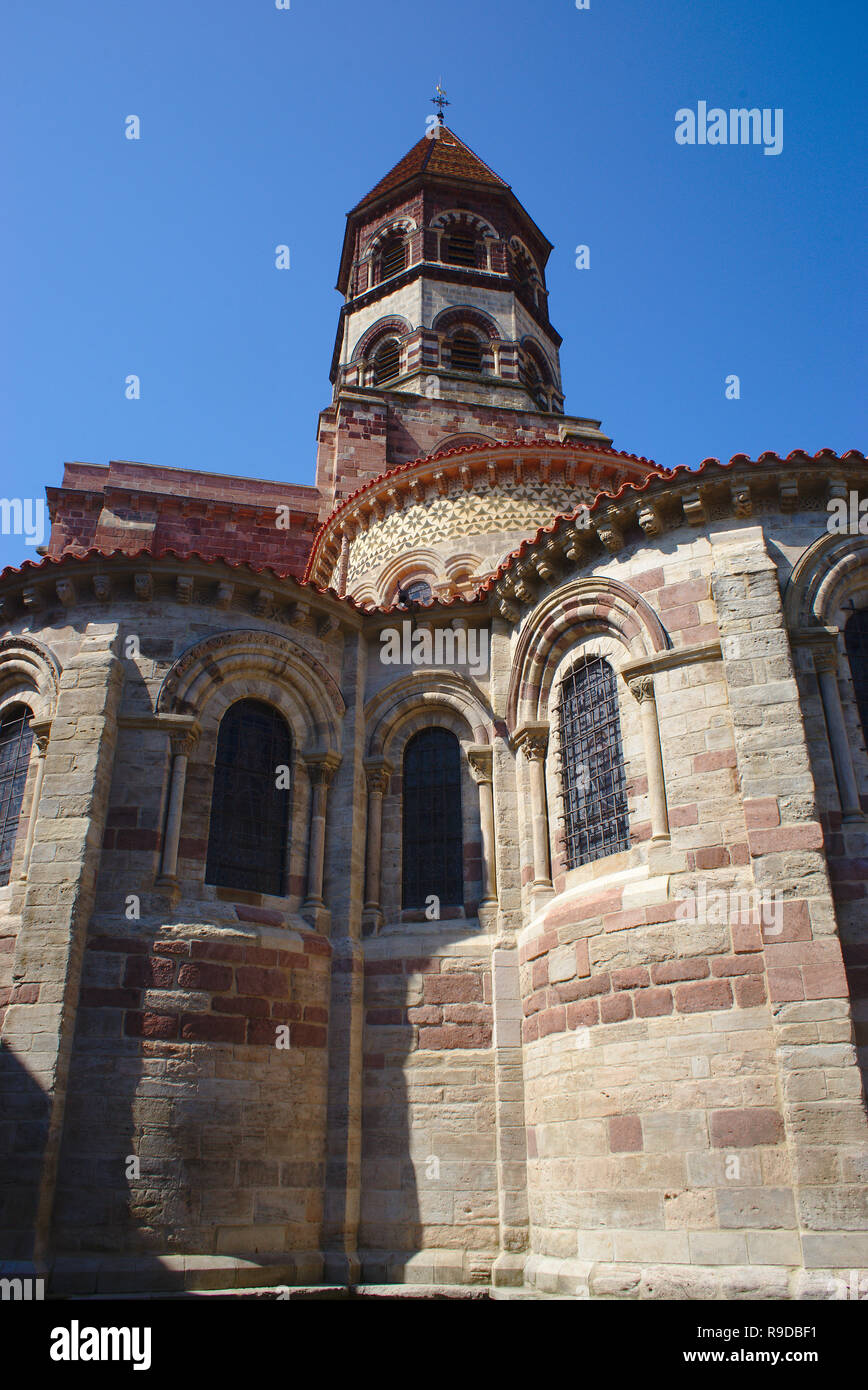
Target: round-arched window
247, 842
433, 837
416, 591
459, 247
466, 352
393, 257
387, 361
16, 741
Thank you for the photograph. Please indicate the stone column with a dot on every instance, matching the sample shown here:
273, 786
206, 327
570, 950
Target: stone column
320, 770
820, 1102
533, 739
41, 731
378, 772
480, 760
826, 664
642, 690
38, 1030
182, 744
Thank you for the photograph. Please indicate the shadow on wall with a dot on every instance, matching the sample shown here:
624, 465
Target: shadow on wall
190, 1131
24, 1118
429, 1179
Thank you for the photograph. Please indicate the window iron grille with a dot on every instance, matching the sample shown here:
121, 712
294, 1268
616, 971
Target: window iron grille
247, 842
433, 836
595, 818
16, 742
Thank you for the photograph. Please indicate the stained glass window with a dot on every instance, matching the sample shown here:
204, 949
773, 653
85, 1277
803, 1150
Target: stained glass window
247, 844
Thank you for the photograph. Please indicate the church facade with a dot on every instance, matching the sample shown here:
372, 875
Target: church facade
452, 872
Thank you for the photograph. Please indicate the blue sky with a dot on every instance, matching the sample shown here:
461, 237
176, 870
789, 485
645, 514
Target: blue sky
261, 126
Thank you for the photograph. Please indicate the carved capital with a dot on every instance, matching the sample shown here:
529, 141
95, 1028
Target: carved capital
826, 658
642, 688
41, 730
533, 739
479, 759
378, 771
321, 768
183, 742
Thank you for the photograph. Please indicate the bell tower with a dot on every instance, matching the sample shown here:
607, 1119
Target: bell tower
444, 335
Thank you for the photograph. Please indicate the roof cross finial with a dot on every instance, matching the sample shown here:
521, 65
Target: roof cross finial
439, 100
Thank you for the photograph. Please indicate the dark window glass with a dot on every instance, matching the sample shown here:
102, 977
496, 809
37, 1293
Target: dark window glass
466, 353
460, 248
856, 642
249, 812
417, 591
595, 819
433, 838
387, 361
393, 258
16, 741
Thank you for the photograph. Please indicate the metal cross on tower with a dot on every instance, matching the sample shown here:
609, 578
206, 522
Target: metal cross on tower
440, 101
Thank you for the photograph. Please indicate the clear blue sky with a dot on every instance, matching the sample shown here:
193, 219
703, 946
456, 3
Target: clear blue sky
261, 126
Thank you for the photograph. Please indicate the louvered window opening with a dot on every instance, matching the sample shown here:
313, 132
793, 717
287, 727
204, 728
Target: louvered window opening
595, 819
466, 353
530, 372
521, 272
433, 836
393, 258
387, 362
16, 743
856, 642
461, 249
247, 844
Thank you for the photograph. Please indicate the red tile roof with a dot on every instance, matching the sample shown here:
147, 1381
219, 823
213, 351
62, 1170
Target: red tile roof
446, 157
39, 567
663, 476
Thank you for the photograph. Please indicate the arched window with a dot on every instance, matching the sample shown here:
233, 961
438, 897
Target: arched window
459, 247
433, 838
535, 377
417, 591
392, 258
247, 844
522, 269
595, 817
387, 361
16, 741
466, 353
856, 642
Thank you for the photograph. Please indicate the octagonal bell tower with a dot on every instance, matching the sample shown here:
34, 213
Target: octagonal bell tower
444, 336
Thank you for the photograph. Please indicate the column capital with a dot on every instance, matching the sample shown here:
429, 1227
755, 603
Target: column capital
41, 729
533, 739
479, 757
183, 741
642, 688
378, 771
321, 767
826, 657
